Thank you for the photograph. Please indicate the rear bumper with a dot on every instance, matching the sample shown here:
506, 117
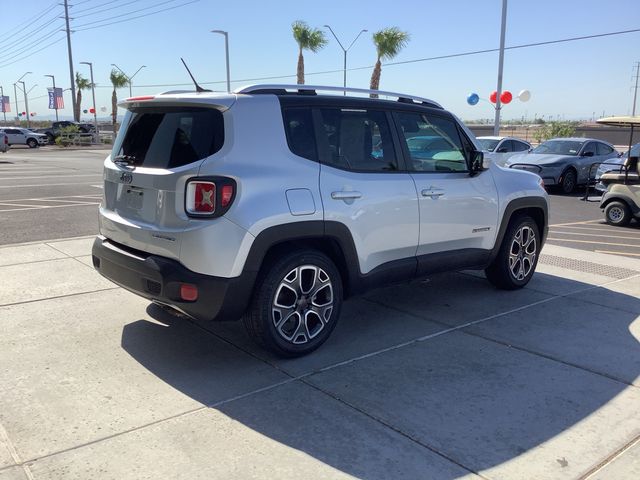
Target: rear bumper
158, 278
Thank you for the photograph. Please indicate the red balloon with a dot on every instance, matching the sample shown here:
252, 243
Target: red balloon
506, 97
493, 97
92, 110
24, 113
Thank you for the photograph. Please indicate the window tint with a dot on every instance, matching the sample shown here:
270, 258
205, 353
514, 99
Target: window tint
591, 147
520, 146
169, 137
604, 149
506, 146
358, 140
298, 125
433, 142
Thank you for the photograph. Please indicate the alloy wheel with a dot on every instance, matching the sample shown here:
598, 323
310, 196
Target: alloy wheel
302, 304
522, 254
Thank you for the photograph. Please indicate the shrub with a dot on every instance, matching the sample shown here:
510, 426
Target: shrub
555, 130
65, 138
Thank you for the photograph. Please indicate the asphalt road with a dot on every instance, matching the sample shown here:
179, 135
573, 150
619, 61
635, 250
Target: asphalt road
50, 193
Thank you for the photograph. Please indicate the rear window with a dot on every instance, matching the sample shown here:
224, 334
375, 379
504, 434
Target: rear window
169, 137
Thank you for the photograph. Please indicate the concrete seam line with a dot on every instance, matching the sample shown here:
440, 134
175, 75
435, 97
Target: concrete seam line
6, 441
45, 241
610, 459
394, 429
57, 296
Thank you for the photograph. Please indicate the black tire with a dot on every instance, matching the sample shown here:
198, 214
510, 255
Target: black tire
569, 181
517, 258
281, 329
32, 142
617, 213
51, 139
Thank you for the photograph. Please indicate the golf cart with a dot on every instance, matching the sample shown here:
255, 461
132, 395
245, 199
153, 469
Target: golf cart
621, 202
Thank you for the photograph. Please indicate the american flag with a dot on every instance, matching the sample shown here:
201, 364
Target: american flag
56, 101
5, 104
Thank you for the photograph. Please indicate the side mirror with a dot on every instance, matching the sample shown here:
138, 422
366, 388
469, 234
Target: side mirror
587, 154
476, 163
502, 150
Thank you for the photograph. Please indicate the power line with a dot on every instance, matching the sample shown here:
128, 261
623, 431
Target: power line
12, 53
39, 50
95, 12
148, 7
30, 20
33, 31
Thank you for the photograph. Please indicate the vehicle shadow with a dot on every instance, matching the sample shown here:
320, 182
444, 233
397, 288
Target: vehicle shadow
482, 397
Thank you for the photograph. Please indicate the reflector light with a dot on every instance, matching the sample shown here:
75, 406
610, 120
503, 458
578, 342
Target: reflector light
226, 195
188, 292
140, 99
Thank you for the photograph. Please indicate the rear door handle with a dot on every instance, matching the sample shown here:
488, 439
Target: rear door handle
345, 195
432, 192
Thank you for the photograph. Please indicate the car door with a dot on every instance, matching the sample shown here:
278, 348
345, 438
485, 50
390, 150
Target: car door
15, 136
586, 158
364, 186
458, 212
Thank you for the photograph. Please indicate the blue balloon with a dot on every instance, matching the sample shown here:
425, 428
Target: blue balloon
473, 98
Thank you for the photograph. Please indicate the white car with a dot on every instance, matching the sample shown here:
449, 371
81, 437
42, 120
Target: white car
23, 136
500, 149
274, 203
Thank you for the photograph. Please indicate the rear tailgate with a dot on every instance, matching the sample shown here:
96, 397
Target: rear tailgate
161, 144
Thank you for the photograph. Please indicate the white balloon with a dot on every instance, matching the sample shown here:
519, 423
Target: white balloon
524, 95
103, 109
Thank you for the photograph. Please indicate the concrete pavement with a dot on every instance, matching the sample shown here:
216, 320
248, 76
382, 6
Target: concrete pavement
443, 379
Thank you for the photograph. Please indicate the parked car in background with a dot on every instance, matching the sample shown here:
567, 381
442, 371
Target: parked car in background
23, 136
564, 162
500, 149
4, 142
54, 131
614, 164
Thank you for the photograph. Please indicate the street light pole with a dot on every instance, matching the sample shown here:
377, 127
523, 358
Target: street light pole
496, 123
26, 102
93, 94
55, 103
15, 98
345, 50
15, 93
129, 78
226, 51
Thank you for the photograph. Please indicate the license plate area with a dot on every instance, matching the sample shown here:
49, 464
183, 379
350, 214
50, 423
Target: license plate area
134, 197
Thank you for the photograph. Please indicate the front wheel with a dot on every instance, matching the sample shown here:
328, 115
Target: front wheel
569, 181
617, 213
296, 303
32, 143
517, 258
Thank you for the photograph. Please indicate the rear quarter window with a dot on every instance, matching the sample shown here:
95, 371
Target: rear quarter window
169, 137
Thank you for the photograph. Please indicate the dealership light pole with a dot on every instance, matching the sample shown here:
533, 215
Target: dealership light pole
226, 51
55, 103
93, 94
496, 123
345, 50
15, 94
24, 90
129, 78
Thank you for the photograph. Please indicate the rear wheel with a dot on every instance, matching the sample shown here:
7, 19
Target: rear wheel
296, 303
517, 258
32, 142
617, 213
569, 181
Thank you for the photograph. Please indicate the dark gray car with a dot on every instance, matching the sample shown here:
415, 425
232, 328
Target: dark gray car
564, 162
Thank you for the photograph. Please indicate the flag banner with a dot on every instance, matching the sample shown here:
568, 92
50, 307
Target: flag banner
56, 101
5, 104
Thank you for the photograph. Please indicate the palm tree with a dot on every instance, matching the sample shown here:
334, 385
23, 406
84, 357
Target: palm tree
118, 80
388, 42
308, 38
81, 84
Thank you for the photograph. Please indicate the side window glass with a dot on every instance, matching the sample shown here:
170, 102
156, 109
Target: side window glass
506, 147
520, 146
604, 149
591, 147
433, 143
358, 140
298, 126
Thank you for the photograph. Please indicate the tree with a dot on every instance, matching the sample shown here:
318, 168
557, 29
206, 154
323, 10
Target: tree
555, 130
388, 42
81, 84
118, 80
308, 38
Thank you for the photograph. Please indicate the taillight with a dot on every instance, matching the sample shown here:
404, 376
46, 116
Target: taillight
209, 196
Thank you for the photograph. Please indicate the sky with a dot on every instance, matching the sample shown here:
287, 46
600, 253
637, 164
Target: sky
572, 80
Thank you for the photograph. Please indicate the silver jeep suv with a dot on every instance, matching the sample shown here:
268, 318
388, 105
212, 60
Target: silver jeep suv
275, 203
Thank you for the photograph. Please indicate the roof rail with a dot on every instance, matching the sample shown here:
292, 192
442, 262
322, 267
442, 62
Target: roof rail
311, 90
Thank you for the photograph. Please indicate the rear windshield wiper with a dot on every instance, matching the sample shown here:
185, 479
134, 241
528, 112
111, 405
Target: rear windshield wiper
128, 159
